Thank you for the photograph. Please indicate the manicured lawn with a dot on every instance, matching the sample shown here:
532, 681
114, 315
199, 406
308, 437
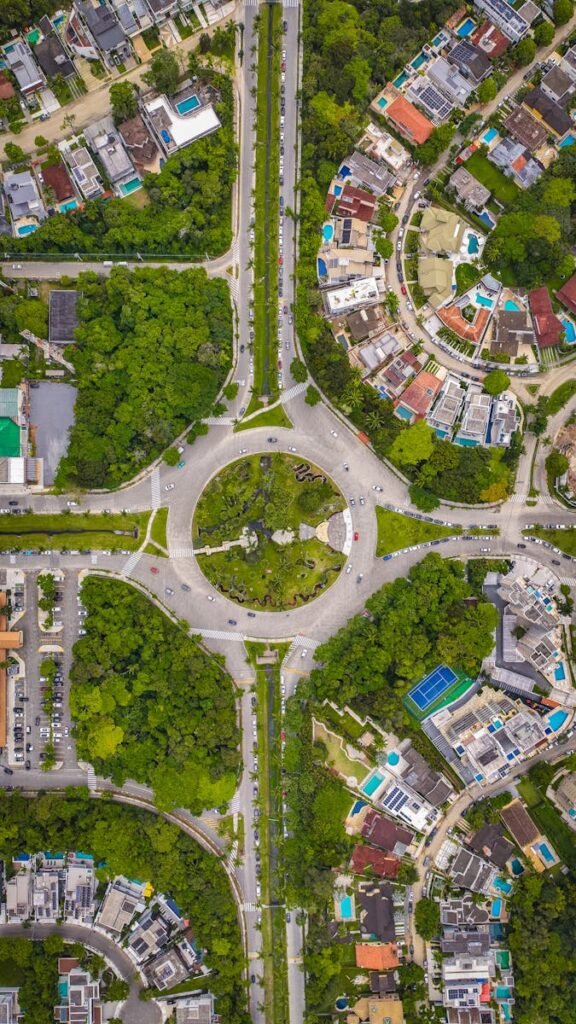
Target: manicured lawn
158, 530
563, 539
502, 188
529, 792
344, 725
336, 756
396, 531
563, 393
37, 531
275, 417
259, 495
466, 277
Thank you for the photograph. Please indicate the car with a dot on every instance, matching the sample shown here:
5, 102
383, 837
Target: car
242, 348
253, 979
181, 464
410, 306
28, 765
352, 502
291, 448
288, 917
556, 561
334, 433
169, 487
348, 568
242, 410
13, 502
242, 451
376, 487
37, 720
304, 652
154, 570
210, 597
361, 500
272, 440
356, 535
232, 622
72, 504
405, 218
251, 615
403, 289
29, 747
360, 577
169, 591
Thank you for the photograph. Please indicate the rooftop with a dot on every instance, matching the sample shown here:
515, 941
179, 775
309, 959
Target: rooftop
409, 120
551, 113
377, 956
63, 318
567, 293
468, 188
57, 179
420, 394
519, 823
526, 129
175, 131
385, 834
470, 59
52, 57
490, 39
547, 326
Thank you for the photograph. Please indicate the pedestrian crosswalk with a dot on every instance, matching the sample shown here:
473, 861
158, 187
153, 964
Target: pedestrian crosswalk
522, 499
291, 393
219, 634
220, 421
249, 908
569, 580
91, 779
186, 552
155, 484
131, 563
290, 3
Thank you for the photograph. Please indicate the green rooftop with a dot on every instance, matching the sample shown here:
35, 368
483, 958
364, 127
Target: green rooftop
9, 438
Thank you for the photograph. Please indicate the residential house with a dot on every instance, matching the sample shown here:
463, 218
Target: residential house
383, 983
57, 186
168, 969
441, 231
547, 327
84, 172
377, 956
462, 912
386, 835
373, 353
468, 871
511, 328
394, 377
409, 122
79, 992
365, 323
46, 894
470, 60
352, 202
359, 170
448, 406
500, 13
525, 129
558, 86
557, 121
489, 842
157, 925
138, 140
50, 53
466, 941
370, 1010
133, 15
418, 398
351, 232
20, 61
345, 299
377, 914
18, 893
519, 824
161, 9
451, 83
435, 278
174, 131
415, 771
400, 801
381, 864
78, 39
195, 1009
567, 294
468, 190
564, 796
568, 63
490, 40
379, 145
10, 1012
504, 420
516, 162
80, 890
122, 901
105, 29
428, 96
338, 266
466, 981
106, 144
24, 202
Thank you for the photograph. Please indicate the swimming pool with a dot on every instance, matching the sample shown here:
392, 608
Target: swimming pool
190, 103
373, 782
402, 77
342, 1003
517, 867
503, 886
70, 205
506, 1012
496, 909
569, 331
393, 758
545, 853
503, 992
467, 442
511, 307
557, 718
322, 269
503, 959
419, 61
465, 28
473, 244
382, 102
490, 135
487, 219
337, 190
568, 141
346, 908
403, 413
483, 301
27, 229
327, 232
559, 673
130, 186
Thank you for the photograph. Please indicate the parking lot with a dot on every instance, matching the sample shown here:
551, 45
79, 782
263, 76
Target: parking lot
29, 724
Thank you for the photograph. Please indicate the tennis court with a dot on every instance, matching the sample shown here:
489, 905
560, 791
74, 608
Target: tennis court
432, 687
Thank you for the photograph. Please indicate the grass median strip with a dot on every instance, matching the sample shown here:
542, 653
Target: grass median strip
275, 417
158, 528
396, 531
73, 531
565, 540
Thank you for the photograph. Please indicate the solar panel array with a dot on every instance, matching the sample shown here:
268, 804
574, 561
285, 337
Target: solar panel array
431, 98
395, 799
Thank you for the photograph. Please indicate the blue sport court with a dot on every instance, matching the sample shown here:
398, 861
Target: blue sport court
432, 687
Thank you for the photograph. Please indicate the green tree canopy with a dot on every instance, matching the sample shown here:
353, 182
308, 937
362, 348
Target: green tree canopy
164, 73
556, 464
544, 33
427, 918
496, 382
413, 445
524, 52
124, 101
487, 90
562, 11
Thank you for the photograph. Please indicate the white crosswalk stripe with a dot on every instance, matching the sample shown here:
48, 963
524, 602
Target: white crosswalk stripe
182, 552
91, 778
219, 421
569, 580
291, 3
219, 634
131, 563
249, 907
155, 484
292, 392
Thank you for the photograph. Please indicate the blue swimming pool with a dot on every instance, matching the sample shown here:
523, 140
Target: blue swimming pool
130, 186
337, 190
402, 77
382, 102
517, 867
27, 229
327, 232
403, 413
496, 909
557, 718
489, 135
373, 782
393, 758
511, 307
503, 886
559, 673
546, 854
185, 106
467, 442
72, 204
503, 992
473, 244
569, 331
568, 141
419, 61
483, 301
487, 219
465, 28
346, 908
322, 268
342, 1003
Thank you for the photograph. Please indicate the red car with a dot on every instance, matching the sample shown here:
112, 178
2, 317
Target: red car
154, 570
280, 260
356, 535
403, 290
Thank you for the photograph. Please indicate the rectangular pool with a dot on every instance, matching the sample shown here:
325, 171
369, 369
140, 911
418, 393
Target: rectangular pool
346, 911
130, 186
373, 782
465, 28
382, 102
546, 854
185, 106
483, 301
503, 886
490, 135
402, 77
27, 229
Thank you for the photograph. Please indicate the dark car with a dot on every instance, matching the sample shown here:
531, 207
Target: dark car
241, 348
272, 440
555, 561
232, 622
185, 587
253, 979
27, 765
13, 502
520, 545
251, 615
8, 771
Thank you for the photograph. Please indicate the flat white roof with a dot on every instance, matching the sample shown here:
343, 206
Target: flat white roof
361, 291
186, 129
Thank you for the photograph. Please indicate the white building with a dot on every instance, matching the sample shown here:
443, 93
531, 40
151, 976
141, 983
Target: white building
174, 130
363, 292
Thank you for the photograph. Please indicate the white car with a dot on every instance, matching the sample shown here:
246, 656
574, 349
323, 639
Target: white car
210, 598
169, 487
334, 433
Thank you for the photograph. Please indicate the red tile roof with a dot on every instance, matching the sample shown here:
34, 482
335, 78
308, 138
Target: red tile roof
56, 178
384, 833
355, 202
409, 121
420, 394
547, 327
367, 857
494, 44
567, 294
6, 88
452, 317
377, 956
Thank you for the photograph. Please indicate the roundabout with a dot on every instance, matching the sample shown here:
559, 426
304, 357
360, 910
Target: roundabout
269, 533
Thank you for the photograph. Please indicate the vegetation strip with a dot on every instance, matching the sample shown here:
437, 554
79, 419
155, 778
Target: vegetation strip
396, 531
266, 204
73, 531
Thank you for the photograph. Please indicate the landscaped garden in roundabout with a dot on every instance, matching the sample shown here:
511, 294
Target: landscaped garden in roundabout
268, 532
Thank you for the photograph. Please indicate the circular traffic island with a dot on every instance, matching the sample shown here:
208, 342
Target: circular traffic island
268, 532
